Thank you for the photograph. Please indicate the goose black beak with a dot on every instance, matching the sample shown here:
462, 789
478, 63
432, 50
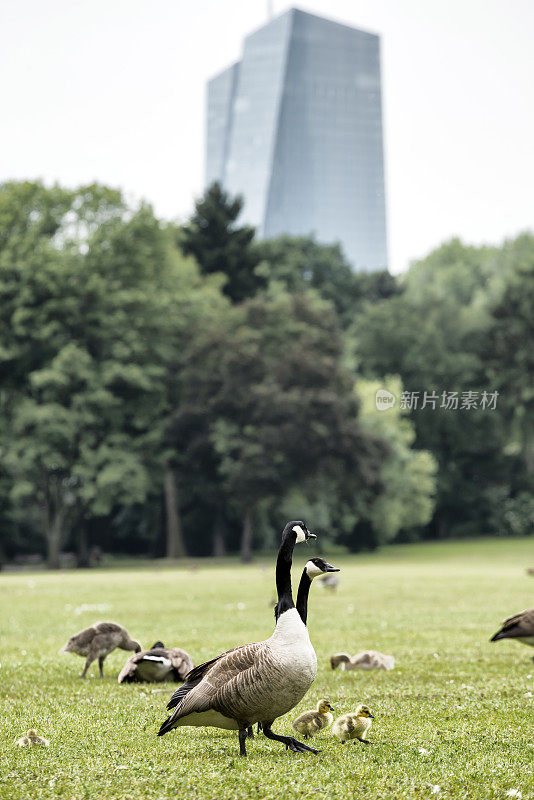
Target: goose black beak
310, 535
330, 568
371, 716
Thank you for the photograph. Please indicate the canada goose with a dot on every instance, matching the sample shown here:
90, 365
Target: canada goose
367, 659
354, 725
98, 641
256, 682
519, 627
160, 663
311, 722
312, 568
31, 738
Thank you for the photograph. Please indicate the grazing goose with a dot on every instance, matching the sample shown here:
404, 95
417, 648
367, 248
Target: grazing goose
98, 641
256, 682
160, 663
353, 726
31, 738
367, 659
519, 627
311, 722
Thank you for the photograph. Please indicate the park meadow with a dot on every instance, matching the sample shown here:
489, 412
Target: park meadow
453, 719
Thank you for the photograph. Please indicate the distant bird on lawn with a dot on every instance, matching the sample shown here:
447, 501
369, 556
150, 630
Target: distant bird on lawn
256, 682
367, 659
355, 725
31, 738
519, 627
160, 663
98, 641
330, 582
311, 722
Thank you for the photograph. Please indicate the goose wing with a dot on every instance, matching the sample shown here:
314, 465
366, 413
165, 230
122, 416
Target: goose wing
194, 676
518, 625
213, 684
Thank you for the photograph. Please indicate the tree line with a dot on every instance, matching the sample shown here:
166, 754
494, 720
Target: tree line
183, 389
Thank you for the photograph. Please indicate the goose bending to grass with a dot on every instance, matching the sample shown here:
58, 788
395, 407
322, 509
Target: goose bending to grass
311, 722
98, 641
367, 659
519, 627
256, 682
354, 725
158, 664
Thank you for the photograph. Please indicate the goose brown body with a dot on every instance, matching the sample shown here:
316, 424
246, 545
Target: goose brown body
98, 641
236, 689
158, 664
367, 660
519, 626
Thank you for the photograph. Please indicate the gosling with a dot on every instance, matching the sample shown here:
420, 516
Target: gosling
367, 659
311, 722
98, 641
355, 725
32, 738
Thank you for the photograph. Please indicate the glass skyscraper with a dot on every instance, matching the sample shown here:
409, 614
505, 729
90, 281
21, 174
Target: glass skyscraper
296, 128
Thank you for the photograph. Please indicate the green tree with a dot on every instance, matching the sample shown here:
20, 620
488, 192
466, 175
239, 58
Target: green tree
300, 263
218, 244
274, 407
408, 475
93, 311
433, 336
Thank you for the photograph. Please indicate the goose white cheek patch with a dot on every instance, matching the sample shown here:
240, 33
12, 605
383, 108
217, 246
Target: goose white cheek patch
301, 536
313, 570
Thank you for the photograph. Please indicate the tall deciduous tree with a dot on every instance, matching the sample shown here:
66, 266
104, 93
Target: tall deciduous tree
93, 307
276, 404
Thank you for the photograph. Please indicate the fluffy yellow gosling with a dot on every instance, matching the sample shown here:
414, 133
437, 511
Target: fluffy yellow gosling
311, 722
32, 738
354, 725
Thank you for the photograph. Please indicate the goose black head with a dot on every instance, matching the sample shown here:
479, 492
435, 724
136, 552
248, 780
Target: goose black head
318, 566
299, 527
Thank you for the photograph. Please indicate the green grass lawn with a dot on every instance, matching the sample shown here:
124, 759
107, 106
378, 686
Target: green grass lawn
453, 714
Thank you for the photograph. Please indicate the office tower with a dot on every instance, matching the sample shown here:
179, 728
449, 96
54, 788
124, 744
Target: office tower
295, 126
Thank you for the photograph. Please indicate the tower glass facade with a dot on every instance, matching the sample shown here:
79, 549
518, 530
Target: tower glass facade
296, 128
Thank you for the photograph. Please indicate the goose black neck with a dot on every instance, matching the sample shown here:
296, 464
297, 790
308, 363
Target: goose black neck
302, 596
283, 572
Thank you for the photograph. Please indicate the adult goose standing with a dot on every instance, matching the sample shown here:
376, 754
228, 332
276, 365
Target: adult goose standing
256, 682
313, 568
160, 663
519, 627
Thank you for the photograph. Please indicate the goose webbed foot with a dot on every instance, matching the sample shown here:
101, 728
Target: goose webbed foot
243, 733
290, 742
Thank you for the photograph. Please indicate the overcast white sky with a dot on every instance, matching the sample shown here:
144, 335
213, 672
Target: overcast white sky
114, 90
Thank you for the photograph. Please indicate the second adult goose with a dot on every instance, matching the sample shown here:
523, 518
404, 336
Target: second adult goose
160, 663
519, 627
256, 682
